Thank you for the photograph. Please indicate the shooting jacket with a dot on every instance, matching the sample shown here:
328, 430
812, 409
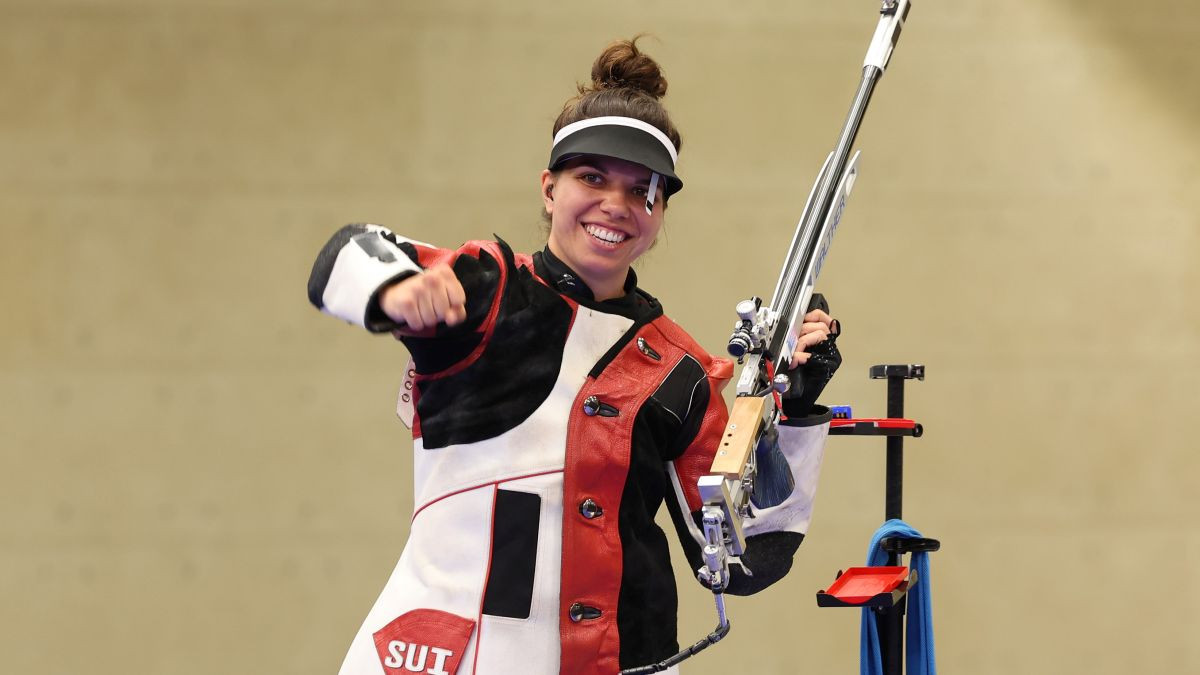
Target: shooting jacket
548, 430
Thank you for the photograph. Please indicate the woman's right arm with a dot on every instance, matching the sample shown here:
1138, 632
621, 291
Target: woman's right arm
370, 277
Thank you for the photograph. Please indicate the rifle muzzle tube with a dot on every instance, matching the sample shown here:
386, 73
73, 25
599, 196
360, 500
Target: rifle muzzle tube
887, 33
789, 301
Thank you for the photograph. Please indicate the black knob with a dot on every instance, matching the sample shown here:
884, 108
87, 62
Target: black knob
739, 343
590, 509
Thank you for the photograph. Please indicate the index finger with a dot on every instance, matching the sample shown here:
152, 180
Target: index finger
818, 315
456, 293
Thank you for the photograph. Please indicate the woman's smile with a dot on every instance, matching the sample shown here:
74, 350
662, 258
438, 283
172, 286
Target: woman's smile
606, 235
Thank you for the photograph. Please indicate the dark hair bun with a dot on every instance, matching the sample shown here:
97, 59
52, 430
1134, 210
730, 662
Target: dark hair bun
622, 65
625, 83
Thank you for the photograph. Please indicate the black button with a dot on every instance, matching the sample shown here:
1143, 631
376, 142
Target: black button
590, 509
580, 611
567, 283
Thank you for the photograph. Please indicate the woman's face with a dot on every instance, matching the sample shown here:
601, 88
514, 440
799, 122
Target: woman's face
598, 220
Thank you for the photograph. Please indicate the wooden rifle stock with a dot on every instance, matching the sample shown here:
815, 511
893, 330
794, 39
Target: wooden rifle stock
741, 436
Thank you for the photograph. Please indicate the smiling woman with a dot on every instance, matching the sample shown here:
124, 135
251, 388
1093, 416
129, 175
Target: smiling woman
554, 411
613, 160
599, 224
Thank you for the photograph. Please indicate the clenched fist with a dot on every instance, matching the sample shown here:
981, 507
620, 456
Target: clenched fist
423, 300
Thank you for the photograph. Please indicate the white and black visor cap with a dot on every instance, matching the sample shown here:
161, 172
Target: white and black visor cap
621, 138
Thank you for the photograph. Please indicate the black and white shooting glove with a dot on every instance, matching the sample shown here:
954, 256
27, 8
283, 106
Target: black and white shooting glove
824, 360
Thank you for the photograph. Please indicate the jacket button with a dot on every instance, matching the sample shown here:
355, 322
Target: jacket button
590, 509
645, 348
567, 283
580, 611
591, 406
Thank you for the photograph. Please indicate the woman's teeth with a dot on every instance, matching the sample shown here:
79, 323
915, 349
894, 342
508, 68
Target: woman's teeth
604, 234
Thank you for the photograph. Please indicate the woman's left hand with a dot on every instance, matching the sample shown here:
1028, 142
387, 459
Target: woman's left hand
814, 361
817, 328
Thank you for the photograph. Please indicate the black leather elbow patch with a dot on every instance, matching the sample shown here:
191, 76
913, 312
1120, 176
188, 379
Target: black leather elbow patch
768, 557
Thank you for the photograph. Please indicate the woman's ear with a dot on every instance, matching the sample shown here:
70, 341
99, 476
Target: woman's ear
548, 190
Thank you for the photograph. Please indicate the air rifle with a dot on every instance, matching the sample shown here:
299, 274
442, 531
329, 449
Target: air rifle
765, 337
764, 340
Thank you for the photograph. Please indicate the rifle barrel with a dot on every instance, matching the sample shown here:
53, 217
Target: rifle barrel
787, 300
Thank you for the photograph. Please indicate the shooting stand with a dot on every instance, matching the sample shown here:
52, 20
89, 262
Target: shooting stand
883, 589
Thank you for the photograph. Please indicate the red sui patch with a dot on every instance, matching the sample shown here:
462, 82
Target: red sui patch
423, 641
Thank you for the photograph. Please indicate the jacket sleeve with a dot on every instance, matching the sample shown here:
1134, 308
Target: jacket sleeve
362, 260
801, 443
774, 534
356, 263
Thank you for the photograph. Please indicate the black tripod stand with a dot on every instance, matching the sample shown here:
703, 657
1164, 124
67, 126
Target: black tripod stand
884, 589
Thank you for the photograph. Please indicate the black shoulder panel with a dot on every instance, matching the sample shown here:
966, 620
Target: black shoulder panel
479, 278
684, 395
678, 391
510, 379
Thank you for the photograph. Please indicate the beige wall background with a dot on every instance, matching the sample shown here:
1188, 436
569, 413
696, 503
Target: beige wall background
201, 474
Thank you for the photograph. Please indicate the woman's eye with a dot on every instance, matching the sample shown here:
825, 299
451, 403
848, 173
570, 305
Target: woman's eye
639, 192
591, 178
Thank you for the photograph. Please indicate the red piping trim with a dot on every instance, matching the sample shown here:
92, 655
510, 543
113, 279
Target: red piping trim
486, 574
880, 422
480, 485
774, 391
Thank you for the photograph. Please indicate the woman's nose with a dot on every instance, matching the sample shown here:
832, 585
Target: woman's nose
614, 203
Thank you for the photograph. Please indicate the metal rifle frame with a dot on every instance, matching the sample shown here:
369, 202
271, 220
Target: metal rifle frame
765, 338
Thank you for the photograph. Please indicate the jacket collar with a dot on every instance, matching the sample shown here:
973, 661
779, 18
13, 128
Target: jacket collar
635, 303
